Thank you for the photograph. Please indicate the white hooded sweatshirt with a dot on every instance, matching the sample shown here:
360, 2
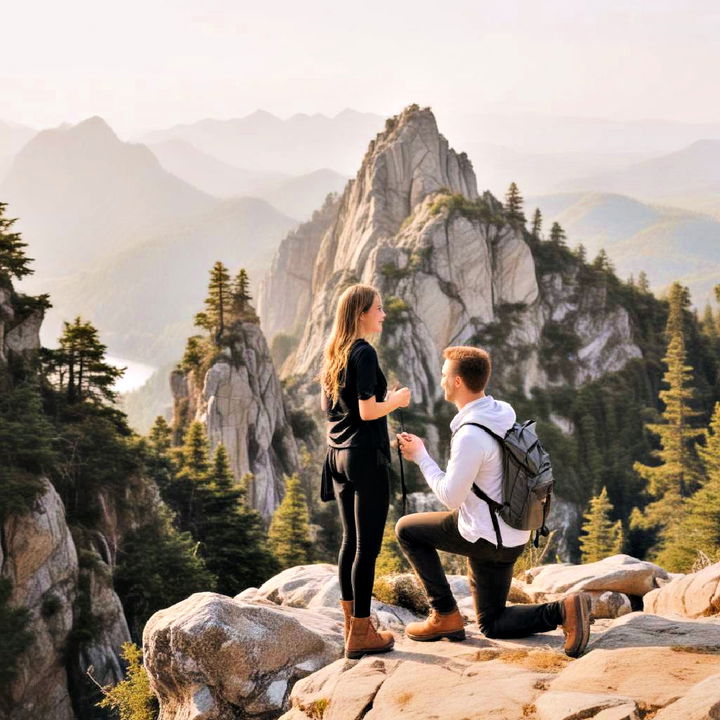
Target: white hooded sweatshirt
475, 457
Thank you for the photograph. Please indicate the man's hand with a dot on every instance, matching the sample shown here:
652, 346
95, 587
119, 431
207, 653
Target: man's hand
411, 446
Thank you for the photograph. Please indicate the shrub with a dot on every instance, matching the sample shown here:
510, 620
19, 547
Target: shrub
402, 590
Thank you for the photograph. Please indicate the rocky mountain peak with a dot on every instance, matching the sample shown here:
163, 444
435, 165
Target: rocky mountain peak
405, 163
453, 268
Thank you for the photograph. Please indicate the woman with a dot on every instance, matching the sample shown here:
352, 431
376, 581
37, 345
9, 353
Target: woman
357, 403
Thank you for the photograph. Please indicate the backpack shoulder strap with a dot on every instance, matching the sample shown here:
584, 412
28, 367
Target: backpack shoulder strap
493, 505
482, 427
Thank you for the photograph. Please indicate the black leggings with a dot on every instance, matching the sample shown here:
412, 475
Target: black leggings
362, 487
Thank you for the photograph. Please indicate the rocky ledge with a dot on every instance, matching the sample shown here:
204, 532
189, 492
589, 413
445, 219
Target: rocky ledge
276, 652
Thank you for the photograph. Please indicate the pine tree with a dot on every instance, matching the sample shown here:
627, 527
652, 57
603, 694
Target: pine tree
13, 262
709, 322
677, 475
581, 253
699, 531
241, 293
195, 351
218, 303
643, 283
289, 530
601, 536
78, 364
513, 205
160, 435
602, 262
232, 535
184, 493
536, 228
557, 234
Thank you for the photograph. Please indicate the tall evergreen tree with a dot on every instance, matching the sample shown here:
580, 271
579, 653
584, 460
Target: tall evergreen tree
557, 234
289, 533
601, 536
13, 262
580, 252
160, 435
536, 228
699, 531
602, 262
677, 475
218, 302
233, 537
642, 282
78, 365
514, 204
241, 292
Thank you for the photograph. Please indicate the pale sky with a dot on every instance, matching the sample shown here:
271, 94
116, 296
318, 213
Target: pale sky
146, 64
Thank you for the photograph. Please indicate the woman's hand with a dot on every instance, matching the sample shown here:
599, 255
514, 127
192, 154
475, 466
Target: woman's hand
399, 397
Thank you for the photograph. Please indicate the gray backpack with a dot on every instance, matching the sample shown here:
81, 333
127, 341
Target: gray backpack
527, 481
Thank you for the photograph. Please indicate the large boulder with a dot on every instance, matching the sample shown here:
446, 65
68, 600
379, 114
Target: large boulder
694, 595
619, 573
644, 630
303, 586
210, 656
702, 702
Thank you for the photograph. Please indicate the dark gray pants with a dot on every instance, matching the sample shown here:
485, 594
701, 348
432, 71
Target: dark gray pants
490, 573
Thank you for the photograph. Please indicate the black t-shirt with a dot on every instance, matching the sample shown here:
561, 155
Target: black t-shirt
363, 379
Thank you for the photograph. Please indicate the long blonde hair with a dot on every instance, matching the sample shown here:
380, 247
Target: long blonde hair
354, 301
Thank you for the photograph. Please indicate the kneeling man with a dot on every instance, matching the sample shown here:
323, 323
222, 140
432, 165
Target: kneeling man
467, 528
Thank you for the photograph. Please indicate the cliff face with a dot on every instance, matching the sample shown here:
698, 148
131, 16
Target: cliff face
65, 591
452, 269
18, 335
240, 401
290, 276
61, 575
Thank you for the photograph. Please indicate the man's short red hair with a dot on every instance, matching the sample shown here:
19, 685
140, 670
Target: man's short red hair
473, 365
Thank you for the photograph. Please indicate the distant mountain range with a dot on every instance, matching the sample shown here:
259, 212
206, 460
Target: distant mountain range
143, 299
80, 193
667, 243
13, 137
265, 143
296, 196
210, 174
693, 171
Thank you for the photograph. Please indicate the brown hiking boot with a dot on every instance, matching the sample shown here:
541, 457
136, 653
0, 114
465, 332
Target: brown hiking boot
438, 625
364, 639
347, 606
575, 611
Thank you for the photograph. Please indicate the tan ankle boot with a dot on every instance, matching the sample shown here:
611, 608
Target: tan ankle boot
450, 625
365, 639
347, 606
575, 612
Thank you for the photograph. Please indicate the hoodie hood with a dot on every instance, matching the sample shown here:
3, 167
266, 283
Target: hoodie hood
497, 415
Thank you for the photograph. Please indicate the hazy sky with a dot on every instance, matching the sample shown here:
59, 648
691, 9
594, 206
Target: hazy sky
143, 64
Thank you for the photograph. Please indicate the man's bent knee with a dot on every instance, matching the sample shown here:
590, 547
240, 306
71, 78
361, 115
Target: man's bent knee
403, 528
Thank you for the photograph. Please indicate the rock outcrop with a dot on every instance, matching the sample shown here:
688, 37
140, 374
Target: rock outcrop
285, 298
40, 559
211, 657
19, 335
695, 595
214, 657
241, 403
